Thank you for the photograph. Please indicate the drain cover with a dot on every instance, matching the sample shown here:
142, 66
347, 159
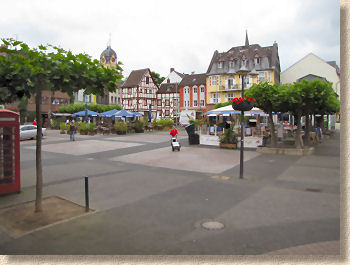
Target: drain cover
313, 190
213, 225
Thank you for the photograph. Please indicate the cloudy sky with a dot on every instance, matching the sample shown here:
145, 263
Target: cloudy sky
160, 34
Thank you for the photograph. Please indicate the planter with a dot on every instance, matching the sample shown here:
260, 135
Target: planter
121, 132
228, 146
245, 106
83, 132
91, 133
139, 130
62, 132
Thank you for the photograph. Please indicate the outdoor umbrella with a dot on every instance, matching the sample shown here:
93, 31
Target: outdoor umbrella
89, 113
124, 113
137, 114
109, 113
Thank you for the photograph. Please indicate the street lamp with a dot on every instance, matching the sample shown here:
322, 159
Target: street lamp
242, 72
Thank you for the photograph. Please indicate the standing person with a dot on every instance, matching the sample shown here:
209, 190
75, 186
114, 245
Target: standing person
173, 132
34, 122
72, 131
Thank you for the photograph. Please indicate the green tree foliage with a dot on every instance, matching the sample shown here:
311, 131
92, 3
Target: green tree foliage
73, 108
157, 78
26, 71
267, 99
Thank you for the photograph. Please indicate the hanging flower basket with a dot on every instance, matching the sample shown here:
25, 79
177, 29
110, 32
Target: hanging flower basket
243, 104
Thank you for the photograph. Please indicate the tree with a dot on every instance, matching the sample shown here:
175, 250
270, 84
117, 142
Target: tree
26, 71
307, 98
267, 98
157, 78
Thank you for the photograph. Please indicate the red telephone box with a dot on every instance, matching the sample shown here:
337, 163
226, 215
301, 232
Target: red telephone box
9, 152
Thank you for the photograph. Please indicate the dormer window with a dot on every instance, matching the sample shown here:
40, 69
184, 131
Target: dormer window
244, 60
220, 64
257, 60
231, 64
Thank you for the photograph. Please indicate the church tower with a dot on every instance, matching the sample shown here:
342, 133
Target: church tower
108, 57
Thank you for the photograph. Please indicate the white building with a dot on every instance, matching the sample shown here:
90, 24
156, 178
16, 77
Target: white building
173, 77
311, 67
314, 65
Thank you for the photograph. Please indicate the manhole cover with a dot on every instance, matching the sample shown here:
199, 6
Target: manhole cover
313, 190
213, 225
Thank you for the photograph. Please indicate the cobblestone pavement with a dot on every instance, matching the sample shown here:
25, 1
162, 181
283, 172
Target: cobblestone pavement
150, 200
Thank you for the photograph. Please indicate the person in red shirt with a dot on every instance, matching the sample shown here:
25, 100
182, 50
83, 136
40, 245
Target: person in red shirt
173, 132
34, 122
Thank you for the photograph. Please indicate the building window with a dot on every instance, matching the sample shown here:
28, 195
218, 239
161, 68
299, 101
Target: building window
195, 103
195, 90
202, 102
167, 102
231, 64
220, 64
202, 89
129, 91
147, 80
269, 76
166, 112
230, 96
257, 60
261, 76
214, 80
214, 98
159, 102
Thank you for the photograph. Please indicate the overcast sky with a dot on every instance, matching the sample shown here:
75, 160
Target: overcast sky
160, 34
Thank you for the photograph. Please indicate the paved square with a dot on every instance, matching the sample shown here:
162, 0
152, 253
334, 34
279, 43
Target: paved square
84, 147
193, 159
142, 137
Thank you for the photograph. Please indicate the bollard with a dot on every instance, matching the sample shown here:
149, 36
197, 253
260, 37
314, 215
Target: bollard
86, 194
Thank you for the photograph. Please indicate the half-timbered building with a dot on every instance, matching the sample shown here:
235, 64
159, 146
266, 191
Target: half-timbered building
168, 101
139, 92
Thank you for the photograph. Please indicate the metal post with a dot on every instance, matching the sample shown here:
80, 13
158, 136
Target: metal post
86, 109
242, 135
86, 194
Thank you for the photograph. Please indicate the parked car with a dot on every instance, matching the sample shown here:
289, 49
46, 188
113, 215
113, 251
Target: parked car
29, 132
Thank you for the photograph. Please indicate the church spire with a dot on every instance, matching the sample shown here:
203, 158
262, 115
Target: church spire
246, 38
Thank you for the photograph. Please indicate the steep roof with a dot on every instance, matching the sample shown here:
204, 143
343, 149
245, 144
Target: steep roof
311, 77
195, 79
168, 88
179, 74
135, 77
334, 64
232, 59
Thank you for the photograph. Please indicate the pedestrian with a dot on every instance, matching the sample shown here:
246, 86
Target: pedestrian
173, 132
34, 122
72, 131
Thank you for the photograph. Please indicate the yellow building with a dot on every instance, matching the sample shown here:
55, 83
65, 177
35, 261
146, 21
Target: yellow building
223, 82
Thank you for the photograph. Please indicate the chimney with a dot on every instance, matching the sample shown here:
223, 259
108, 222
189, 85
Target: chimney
168, 80
192, 73
172, 70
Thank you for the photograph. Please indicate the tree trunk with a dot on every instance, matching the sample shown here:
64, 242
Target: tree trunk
307, 129
322, 123
272, 128
297, 137
39, 173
